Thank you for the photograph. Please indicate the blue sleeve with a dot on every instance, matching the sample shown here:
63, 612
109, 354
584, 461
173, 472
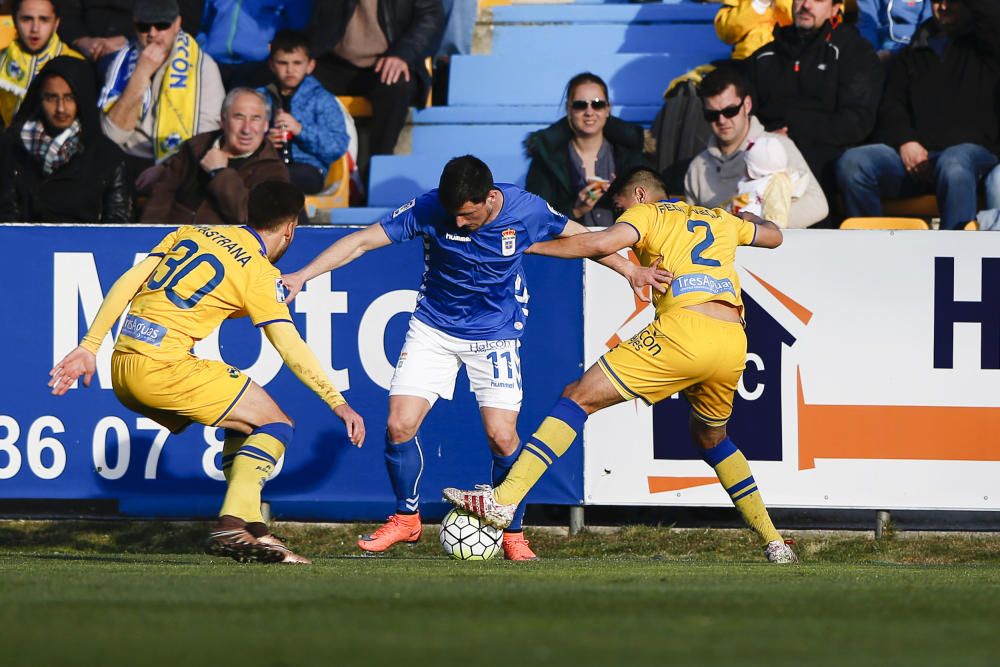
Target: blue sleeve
297, 14
543, 221
413, 218
324, 133
870, 22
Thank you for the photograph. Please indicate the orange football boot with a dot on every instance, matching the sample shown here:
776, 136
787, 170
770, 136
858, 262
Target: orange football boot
515, 547
399, 528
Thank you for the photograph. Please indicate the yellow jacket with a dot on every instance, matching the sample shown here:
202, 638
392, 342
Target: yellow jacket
742, 24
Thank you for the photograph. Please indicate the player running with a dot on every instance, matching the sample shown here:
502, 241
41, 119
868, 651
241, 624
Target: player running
195, 278
471, 310
695, 345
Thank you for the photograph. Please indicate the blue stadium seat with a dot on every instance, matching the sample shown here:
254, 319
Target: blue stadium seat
395, 179
525, 114
460, 139
356, 215
608, 38
683, 12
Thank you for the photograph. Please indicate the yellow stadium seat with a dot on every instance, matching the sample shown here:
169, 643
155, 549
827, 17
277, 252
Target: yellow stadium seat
971, 226
359, 107
336, 190
884, 223
7, 30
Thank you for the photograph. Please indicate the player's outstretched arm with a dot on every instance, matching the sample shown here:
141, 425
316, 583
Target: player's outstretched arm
344, 251
301, 360
768, 233
82, 361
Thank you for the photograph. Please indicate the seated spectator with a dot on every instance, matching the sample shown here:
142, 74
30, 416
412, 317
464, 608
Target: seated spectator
36, 22
57, 165
575, 160
747, 25
308, 124
889, 24
96, 28
819, 82
236, 35
938, 118
376, 48
161, 90
713, 178
208, 181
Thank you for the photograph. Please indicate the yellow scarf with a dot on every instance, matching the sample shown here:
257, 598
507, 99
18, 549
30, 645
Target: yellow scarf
18, 69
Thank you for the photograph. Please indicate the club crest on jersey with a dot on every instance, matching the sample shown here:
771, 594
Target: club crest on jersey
508, 242
280, 291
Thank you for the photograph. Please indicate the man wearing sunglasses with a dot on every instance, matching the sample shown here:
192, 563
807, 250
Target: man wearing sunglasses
161, 90
713, 177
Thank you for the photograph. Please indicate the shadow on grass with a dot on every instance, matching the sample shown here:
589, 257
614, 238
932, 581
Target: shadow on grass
103, 537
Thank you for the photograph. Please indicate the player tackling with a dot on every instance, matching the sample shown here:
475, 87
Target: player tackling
193, 280
695, 345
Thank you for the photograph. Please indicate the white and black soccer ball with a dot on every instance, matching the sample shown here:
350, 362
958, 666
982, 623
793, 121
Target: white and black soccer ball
464, 536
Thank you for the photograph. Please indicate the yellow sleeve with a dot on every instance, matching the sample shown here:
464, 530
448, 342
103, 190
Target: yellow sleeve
639, 217
117, 300
301, 361
265, 299
745, 230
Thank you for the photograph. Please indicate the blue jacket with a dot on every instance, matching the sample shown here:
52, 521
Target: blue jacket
889, 24
238, 31
324, 135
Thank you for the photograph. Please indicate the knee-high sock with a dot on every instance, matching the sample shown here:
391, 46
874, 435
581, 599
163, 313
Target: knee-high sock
734, 474
405, 463
252, 465
501, 466
548, 443
234, 440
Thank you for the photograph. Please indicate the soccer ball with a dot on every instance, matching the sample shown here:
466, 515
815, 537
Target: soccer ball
465, 537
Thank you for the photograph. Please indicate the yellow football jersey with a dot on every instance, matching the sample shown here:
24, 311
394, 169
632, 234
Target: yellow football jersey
697, 244
206, 275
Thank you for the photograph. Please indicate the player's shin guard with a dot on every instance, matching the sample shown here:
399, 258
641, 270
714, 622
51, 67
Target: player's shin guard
405, 463
251, 467
734, 474
502, 466
234, 440
548, 443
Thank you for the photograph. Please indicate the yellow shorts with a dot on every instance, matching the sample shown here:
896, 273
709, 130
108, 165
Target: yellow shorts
681, 351
177, 392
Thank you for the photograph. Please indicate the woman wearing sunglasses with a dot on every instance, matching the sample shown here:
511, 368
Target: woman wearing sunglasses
574, 160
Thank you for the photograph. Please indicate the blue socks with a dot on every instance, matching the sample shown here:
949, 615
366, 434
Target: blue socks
405, 463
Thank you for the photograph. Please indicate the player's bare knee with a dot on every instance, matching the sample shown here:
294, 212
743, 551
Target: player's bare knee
705, 436
401, 429
503, 443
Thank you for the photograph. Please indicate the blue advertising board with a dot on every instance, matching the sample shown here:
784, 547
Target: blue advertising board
85, 445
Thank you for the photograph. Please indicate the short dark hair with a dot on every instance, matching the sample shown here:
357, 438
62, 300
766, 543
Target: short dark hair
586, 77
16, 7
720, 78
638, 177
464, 179
273, 203
288, 41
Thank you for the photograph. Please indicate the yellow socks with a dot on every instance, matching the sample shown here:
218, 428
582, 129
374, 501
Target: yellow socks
734, 474
252, 461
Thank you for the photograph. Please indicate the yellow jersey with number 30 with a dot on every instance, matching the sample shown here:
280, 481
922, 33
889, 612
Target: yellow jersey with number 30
698, 246
206, 275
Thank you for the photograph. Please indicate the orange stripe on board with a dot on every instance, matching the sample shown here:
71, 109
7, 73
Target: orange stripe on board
797, 309
613, 342
661, 484
895, 432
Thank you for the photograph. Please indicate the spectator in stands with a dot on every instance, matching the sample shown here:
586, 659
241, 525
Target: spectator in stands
575, 160
375, 48
747, 25
819, 82
36, 22
208, 181
161, 90
96, 28
713, 178
889, 24
938, 119
303, 110
236, 35
57, 166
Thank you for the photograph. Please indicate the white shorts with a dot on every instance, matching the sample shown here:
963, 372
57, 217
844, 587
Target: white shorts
430, 360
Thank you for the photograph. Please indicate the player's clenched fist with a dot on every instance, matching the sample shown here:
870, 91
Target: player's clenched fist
354, 423
80, 361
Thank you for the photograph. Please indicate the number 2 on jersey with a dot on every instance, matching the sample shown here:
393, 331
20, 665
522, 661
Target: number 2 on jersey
173, 276
696, 257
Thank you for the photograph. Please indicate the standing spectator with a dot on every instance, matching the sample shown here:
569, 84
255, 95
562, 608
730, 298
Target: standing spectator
161, 90
575, 160
713, 178
938, 120
819, 82
303, 109
236, 34
36, 22
97, 28
57, 166
376, 48
208, 181
889, 24
747, 25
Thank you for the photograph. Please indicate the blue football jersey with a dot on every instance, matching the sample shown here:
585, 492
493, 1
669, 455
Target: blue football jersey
473, 285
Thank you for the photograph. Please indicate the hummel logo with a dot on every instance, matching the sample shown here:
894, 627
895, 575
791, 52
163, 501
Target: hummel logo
458, 237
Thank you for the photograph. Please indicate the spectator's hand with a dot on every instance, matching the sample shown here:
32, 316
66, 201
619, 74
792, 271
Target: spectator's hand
640, 277
148, 178
215, 158
276, 136
354, 423
914, 157
286, 121
391, 68
293, 283
96, 48
151, 58
80, 361
587, 197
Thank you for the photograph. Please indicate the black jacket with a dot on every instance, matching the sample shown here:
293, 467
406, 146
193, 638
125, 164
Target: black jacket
549, 173
823, 87
945, 100
412, 28
95, 18
91, 187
